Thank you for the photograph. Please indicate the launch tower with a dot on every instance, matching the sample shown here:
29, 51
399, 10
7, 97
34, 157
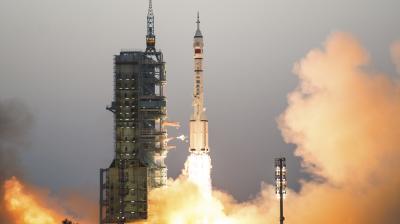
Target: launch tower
139, 109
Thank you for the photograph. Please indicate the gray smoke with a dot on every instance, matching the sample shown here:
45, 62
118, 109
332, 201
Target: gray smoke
15, 122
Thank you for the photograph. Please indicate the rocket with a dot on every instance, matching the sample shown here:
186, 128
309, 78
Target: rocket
198, 121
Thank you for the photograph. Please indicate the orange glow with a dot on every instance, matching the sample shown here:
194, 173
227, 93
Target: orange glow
24, 207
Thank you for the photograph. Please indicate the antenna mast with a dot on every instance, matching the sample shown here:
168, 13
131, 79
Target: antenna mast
281, 183
150, 37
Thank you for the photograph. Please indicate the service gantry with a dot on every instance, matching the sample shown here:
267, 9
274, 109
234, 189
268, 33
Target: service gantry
139, 109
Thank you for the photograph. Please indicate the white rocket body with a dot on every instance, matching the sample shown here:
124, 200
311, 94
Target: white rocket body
198, 120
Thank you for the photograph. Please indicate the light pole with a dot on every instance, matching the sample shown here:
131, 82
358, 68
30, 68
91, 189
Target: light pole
281, 183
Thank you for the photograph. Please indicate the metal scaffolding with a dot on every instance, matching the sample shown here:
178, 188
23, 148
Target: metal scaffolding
139, 109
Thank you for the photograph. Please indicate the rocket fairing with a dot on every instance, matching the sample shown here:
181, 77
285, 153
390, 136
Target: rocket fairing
198, 121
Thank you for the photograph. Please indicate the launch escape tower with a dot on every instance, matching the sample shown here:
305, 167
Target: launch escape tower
139, 109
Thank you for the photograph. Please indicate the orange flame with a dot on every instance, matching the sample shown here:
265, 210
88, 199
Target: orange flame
24, 207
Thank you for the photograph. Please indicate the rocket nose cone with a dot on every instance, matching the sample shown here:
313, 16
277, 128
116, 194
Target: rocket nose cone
198, 33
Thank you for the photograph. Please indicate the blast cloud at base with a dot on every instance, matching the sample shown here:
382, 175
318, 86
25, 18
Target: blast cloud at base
346, 125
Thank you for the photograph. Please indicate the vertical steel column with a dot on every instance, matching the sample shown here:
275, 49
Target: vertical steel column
281, 217
101, 197
280, 190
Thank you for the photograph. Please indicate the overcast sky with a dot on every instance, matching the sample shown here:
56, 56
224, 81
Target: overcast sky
57, 57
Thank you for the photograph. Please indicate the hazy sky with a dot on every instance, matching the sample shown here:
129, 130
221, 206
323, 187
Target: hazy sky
57, 57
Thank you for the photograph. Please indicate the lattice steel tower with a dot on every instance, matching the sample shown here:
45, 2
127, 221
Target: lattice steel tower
139, 109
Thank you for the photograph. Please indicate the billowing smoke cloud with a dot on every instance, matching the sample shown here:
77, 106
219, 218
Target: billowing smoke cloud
15, 121
345, 121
